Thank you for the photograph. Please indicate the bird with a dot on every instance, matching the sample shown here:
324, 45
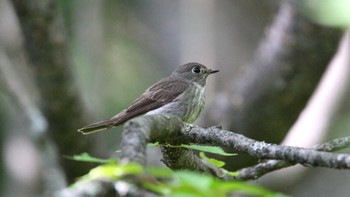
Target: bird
180, 94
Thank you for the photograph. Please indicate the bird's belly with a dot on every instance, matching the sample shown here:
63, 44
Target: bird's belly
187, 106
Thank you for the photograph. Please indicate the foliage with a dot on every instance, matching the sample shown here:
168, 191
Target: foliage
87, 158
165, 182
218, 163
208, 149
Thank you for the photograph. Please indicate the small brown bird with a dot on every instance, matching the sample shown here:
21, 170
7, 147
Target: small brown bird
180, 94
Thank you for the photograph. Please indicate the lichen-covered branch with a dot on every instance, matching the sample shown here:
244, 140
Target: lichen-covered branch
262, 150
161, 128
164, 129
185, 159
268, 166
141, 130
334, 145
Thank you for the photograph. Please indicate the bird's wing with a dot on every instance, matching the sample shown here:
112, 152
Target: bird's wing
161, 93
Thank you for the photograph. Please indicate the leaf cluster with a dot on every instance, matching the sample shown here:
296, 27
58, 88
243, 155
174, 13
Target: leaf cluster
165, 182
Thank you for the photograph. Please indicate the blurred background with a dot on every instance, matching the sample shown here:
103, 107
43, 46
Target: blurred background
284, 78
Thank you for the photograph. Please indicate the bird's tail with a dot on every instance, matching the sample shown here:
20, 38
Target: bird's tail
98, 126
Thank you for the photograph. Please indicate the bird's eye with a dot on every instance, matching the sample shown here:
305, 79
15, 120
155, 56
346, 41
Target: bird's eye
196, 69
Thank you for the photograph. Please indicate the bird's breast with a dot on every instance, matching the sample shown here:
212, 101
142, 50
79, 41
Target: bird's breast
188, 105
198, 102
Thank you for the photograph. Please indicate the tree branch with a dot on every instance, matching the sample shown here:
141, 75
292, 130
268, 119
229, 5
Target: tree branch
162, 128
262, 150
265, 167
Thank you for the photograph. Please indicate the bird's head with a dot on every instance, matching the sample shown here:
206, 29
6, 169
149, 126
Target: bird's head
193, 72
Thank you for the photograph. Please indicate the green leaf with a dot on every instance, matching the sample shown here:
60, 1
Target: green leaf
160, 172
114, 171
182, 183
196, 180
149, 145
192, 184
85, 157
229, 172
218, 164
159, 188
208, 149
215, 162
246, 188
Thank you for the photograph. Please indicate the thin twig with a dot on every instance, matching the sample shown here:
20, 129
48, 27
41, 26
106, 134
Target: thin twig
268, 166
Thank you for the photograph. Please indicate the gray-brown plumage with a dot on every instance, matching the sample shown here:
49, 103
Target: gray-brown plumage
181, 94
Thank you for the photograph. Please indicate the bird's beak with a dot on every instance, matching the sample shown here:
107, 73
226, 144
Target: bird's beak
210, 71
